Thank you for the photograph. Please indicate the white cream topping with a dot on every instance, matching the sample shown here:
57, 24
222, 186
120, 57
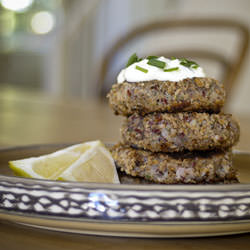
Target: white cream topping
131, 74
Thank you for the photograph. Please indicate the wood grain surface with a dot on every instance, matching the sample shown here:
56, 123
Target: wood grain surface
24, 238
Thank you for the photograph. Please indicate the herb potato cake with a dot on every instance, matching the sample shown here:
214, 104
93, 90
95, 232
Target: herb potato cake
176, 132
186, 168
190, 94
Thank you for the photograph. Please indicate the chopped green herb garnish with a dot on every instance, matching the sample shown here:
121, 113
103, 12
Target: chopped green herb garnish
141, 69
195, 66
132, 59
147, 177
152, 57
173, 58
171, 69
157, 63
188, 63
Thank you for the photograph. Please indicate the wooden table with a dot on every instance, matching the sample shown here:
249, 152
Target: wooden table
30, 118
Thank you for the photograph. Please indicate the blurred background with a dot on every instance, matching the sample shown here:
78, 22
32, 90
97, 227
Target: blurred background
73, 49
58, 46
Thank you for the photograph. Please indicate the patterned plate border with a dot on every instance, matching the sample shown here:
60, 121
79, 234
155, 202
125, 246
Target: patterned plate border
124, 202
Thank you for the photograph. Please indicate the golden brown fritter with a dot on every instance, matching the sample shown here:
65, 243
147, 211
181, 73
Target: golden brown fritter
192, 94
176, 132
185, 168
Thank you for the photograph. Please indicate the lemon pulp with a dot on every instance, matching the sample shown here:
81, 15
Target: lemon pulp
89, 162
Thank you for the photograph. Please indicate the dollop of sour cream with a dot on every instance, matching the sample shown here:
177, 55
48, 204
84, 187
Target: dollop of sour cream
132, 74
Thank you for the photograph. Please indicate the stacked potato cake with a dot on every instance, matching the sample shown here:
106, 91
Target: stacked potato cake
174, 131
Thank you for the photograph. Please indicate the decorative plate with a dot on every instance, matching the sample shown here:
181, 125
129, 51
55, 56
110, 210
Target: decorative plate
125, 209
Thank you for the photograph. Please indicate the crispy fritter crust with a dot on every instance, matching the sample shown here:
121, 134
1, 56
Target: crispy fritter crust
185, 168
175, 132
191, 94
128, 179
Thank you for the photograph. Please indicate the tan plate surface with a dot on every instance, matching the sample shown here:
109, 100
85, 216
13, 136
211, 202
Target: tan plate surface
149, 230
129, 228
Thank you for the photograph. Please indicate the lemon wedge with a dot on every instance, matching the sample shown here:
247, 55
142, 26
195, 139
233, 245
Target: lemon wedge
88, 162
